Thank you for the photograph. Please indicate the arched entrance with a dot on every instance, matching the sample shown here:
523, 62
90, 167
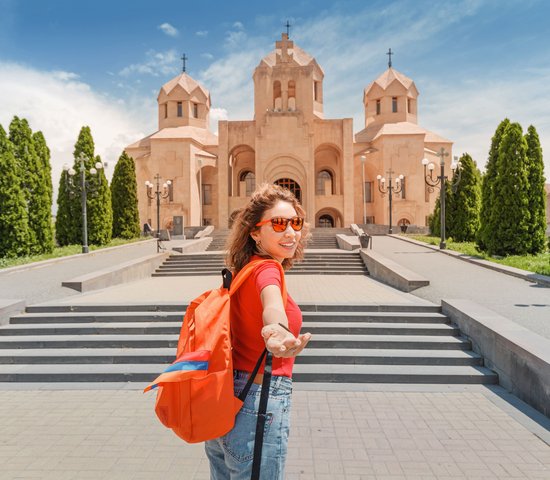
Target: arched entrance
326, 221
291, 185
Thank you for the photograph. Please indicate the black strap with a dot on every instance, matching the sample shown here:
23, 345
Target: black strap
262, 417
227, 278
250, 381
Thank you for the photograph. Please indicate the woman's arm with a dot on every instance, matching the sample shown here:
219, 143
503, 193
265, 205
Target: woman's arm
278, 339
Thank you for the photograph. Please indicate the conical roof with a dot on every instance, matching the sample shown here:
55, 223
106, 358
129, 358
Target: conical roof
388, 77
189, 84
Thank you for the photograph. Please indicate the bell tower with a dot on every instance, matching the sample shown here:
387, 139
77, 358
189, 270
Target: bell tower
288, 80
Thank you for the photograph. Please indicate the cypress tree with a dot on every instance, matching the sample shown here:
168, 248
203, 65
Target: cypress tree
509, 215
14, 228
27, 169
100, 212
485, 228
98, 199
43, 195
466, 200
124, 199
536, 192
68, 217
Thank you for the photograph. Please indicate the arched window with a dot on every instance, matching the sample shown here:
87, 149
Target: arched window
291, 185
277, 104
322, 178
292, 95
250, 180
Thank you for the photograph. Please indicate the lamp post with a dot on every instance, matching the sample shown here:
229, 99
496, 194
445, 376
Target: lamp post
158, 194
390, 189
363, 160
439, 182
84, 187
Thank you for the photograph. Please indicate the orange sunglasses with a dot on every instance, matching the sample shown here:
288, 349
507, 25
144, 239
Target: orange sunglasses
279, 224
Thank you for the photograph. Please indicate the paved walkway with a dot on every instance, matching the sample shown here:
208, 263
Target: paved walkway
519, 300
386, 433
348, 432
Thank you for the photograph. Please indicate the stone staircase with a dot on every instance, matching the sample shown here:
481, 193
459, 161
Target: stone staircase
314, 263
134, 343
324, 238
219, 238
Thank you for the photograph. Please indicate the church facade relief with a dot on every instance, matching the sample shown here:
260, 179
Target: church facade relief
291, 143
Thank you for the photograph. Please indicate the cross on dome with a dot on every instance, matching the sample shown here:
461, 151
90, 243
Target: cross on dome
184, 58
288, 25
389, 54
284, 44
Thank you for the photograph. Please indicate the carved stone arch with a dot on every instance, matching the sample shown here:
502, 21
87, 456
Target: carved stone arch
333, 213
283, 166
328, 156
241, 157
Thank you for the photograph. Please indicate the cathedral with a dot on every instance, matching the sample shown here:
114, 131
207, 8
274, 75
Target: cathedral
333, 172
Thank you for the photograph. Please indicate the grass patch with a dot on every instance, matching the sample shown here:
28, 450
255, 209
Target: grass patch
61, 252
533, 263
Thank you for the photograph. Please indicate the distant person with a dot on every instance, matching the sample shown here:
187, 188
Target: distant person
271, 226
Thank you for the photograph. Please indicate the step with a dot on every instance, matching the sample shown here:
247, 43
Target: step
394, 374
359, 356
381, 317
89, 341
81, 355
144, 307
414, 342
102, 317
365, 328
96, 328
146, 373
143, 373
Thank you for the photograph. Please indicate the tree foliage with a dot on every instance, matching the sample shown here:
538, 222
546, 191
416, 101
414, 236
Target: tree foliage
27, 170
14, 228
485, 227
509, 217
466, 200
435, 217
43, 195
98, 198
124, 199
536, 193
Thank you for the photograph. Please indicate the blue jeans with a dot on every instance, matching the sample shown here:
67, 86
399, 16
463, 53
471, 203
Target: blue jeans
230, 456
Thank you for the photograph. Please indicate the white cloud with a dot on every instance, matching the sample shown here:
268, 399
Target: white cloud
201, 33
238, 25
468, 113
157, 64
60, 105
169, 30
207, 55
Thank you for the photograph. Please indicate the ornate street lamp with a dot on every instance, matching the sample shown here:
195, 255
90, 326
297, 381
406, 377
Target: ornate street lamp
84, 187
439, 182
363, 160
390, 189
164, 193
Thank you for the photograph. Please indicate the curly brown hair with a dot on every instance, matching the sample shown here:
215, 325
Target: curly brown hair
241, 246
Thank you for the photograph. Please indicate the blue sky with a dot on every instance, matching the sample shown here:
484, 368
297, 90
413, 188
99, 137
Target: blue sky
64, 64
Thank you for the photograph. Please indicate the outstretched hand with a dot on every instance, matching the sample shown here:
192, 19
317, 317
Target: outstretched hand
282, 343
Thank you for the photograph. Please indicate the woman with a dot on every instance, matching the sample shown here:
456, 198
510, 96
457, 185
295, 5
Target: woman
270, 226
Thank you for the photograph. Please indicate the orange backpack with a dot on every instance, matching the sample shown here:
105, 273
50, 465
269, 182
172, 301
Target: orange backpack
195, 393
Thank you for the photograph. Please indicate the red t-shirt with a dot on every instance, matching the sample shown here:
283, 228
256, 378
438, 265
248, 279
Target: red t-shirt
247, 323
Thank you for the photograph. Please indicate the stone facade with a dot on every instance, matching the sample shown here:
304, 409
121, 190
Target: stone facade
291, 143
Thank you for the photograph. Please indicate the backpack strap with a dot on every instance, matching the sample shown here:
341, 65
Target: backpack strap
247, 270
262, 417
